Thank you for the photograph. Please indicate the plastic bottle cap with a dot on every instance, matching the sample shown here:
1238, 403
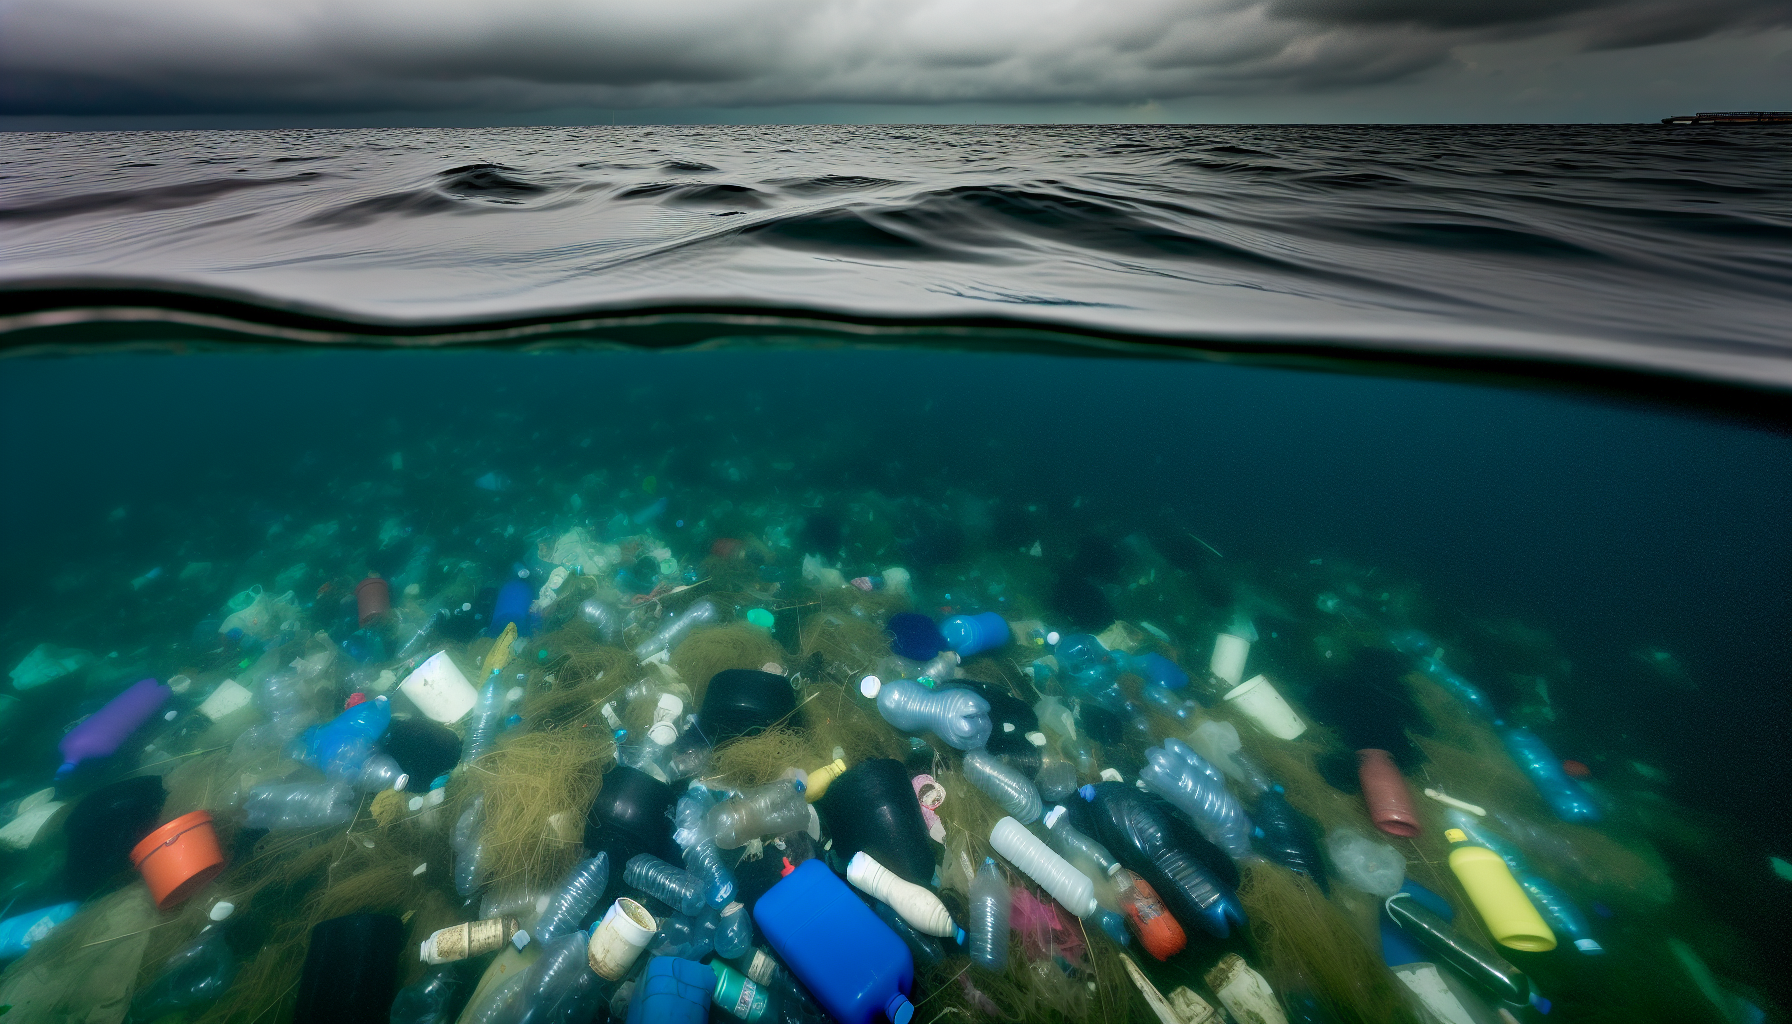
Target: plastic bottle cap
1036, 738
1052, 816
870, 685
1052, 638
663, 734
1455, 835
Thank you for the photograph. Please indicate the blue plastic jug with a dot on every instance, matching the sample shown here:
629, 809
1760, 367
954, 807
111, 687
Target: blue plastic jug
974, 634
852, 962
672, 991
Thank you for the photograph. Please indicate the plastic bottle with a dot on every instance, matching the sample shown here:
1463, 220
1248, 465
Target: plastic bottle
1157, 929
1464, 691
471, 939
816, 783
1563, 795
671, 633
1138, 830
483, 730
1198, 790
958, 716
111, 725
691, 938
428, 1001
300, 805
1560, 913
1484, 968
701, 858
1026, 851
772, 810
1056, 778
734, 931
855, 966
20, 932
1501, 901
197, 973
1219, 744
673, 886
1372, 866
560, 988
926, 949
573, 901
989, 917
973, 634
1007, 787
1081, 851
344, 747
741, 997
1285, 836
605, 617
918, 906
469, 848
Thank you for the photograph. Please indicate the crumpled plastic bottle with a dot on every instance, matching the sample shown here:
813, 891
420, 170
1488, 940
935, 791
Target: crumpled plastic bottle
692, 834
482, 732
1007, 787
771, 810
344, 747
673, 886
1197, 789
573, 901
561, 987
197, 973
428, 1001
958, 716
300, 805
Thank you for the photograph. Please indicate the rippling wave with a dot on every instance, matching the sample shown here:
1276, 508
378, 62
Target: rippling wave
1666, 250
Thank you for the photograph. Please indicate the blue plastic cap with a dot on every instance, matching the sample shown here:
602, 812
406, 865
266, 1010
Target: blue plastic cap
899, 1009
1540, 1003
1087, 792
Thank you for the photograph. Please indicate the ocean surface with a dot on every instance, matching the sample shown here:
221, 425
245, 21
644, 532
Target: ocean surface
1653, 247
1519, 389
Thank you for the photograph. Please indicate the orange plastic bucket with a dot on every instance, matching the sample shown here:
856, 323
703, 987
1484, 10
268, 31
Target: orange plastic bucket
179, 858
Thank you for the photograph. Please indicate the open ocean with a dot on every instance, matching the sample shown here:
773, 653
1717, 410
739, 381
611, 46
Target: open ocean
1521, 388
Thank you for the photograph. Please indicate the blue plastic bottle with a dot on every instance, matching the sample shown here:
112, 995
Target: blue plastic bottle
18, 933
974, 634
512, 606
672, 991
1158, 670
1563, 795
341, 745
852, 962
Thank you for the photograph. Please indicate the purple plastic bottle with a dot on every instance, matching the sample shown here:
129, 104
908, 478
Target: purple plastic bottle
111, 725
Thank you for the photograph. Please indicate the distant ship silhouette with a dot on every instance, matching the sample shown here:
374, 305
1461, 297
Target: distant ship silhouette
1733, 117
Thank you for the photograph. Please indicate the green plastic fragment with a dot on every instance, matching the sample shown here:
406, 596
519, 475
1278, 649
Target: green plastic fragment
760, 617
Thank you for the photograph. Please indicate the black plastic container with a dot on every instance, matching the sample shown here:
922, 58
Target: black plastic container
743, 701
351, 970
422, 748
630, 816
872, 807
104, 826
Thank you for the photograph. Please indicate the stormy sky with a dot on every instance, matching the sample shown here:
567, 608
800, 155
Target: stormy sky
69, 63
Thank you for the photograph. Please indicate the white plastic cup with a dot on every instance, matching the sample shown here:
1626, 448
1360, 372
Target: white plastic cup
439, 690
1261, 703
1229, 653
229, 696
626, 929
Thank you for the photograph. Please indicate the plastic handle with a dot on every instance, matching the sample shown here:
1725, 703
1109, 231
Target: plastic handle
916, 905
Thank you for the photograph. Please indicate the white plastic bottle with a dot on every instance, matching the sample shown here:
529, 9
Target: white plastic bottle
1029, 853
917, 906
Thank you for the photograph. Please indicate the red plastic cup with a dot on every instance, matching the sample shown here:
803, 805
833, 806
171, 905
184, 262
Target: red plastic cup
1384, 790
373, 596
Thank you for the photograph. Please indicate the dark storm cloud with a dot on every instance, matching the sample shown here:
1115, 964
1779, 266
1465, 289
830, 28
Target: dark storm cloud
78, 57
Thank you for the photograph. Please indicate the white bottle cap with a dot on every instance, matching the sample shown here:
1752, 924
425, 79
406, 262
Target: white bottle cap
664, 734
870, 685
1036, 738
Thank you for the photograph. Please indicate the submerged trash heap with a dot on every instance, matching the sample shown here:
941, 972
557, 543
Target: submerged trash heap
652, 773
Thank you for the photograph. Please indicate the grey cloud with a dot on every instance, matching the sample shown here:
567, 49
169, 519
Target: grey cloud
243, 56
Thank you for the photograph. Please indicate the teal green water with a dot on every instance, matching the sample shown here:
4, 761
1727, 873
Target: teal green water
1611, 573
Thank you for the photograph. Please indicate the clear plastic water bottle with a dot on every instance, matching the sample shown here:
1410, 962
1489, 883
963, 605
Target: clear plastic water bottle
773, 810
561, 987
428, 1001
380, 772
570, 904
487, 714
1197, 789
734, 931
1073, 845
199, 972
989, 917
469, 848
301, 805
1010, 789
688, 938
671, 885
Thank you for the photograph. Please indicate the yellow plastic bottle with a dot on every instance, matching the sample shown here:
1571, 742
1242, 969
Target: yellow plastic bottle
1503, 906
820, 777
